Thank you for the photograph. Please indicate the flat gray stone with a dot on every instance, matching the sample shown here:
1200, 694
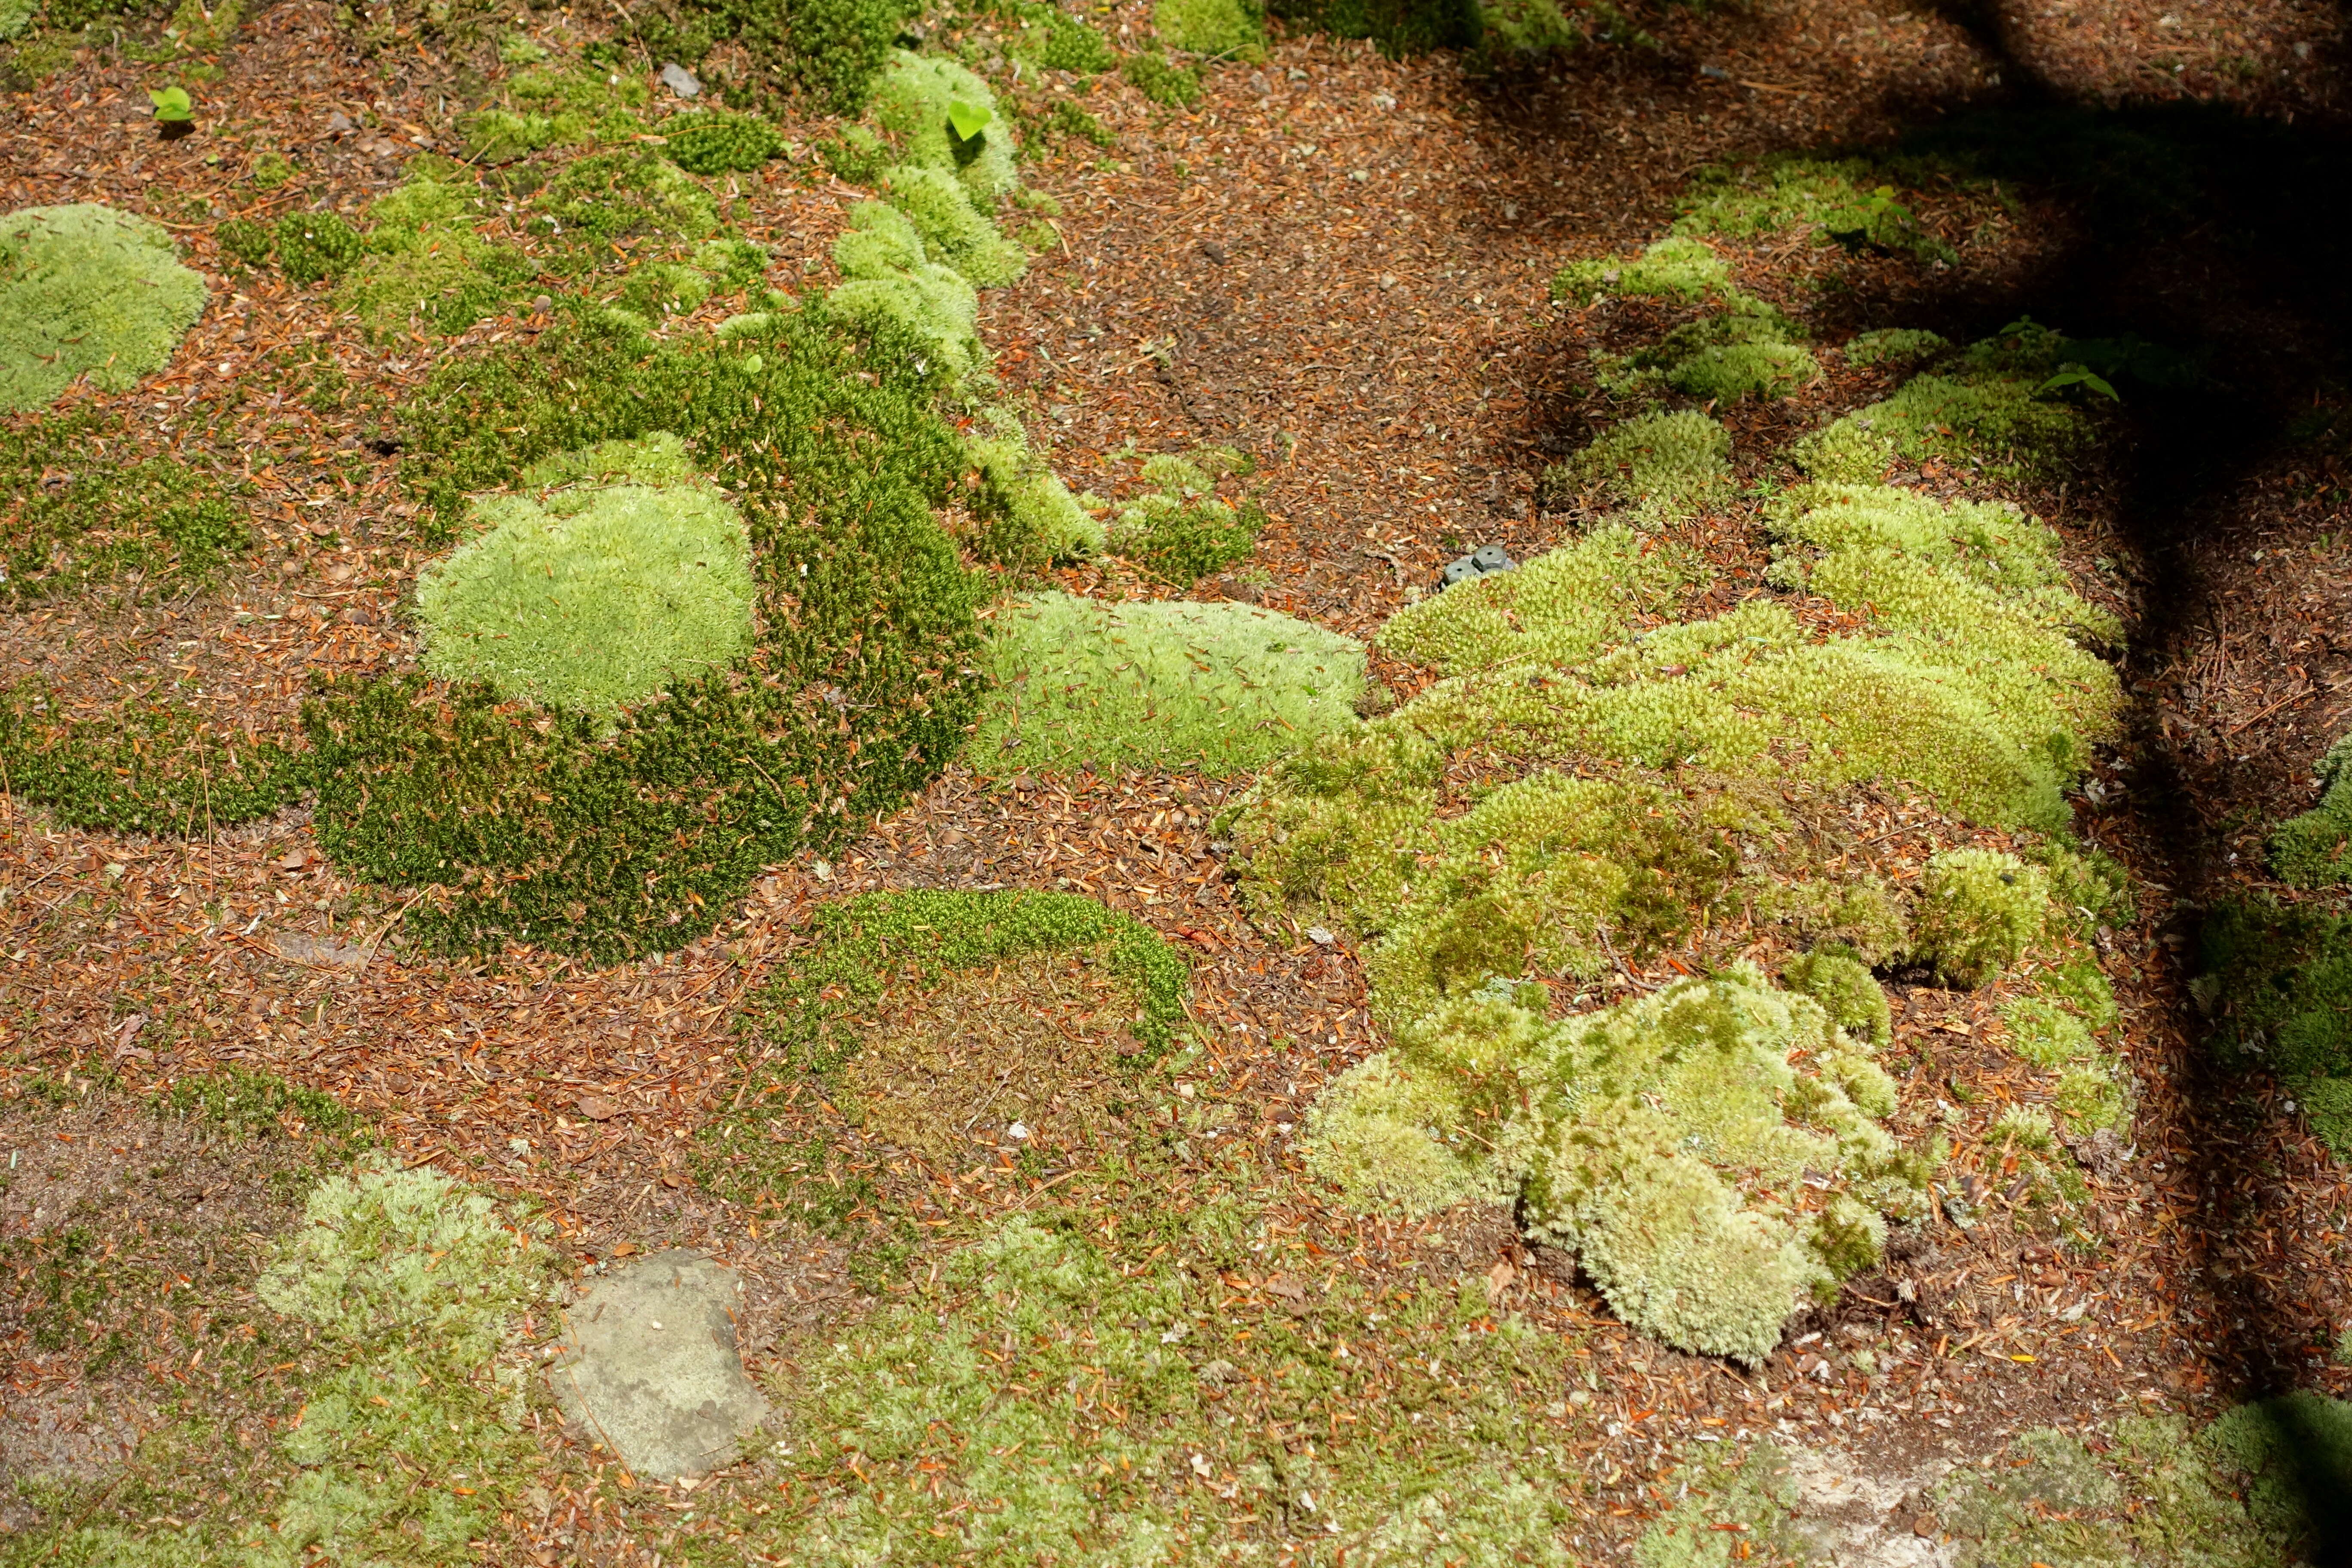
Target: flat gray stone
680, 80
649, 1366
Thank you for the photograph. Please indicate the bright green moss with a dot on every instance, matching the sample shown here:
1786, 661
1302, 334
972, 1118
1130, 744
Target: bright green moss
609, 197
1033, 497
953, 229
1181, 532
565, 103
713, 141
1668, 1142
1224, 687
892, 287
1743, 202
1725, 373
425, 266
2314, 849
1557, 609
1891, 345
153, 766
1834, 976
88, 290
1978, 911
1663, 467
244, 240
1164, 83
2047, 1035
592, 600
1678, 268
2000, 426
912, 103
314, 247
1221, 29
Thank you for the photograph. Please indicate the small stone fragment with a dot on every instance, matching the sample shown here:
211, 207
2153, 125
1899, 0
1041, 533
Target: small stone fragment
680, 80
650, 1366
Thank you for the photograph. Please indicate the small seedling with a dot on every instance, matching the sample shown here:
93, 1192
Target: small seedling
2076, 375
968, 119
172, 105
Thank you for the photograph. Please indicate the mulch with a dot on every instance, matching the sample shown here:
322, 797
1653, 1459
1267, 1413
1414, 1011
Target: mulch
1338, 263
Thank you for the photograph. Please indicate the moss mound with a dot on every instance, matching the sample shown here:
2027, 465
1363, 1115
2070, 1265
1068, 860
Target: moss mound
1222, 687
2278, 985
1835, 199
1979, 910
1667, 1141
593, 599
88, 290
2314, 849
1663, 467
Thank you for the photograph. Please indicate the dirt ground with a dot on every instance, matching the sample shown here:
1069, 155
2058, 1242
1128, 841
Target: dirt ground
1338, 263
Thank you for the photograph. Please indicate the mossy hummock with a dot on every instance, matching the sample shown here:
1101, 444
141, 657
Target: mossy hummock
88, 290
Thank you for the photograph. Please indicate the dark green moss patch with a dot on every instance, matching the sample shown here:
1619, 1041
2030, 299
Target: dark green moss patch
80, 502
2278, 987
151, 766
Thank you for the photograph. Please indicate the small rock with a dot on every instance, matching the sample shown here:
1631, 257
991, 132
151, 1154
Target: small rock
1319, 937
680, 80
1483, 561
338, 123
650, 1366
541, 304
357, 615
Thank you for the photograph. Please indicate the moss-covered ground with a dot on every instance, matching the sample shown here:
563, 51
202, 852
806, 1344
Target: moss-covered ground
816, 633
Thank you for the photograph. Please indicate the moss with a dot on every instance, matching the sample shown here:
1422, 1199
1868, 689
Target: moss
1859, 913
1833, 198
417, 1285
590, 601
1835, 977
246, 1104
912, 104
1679, 268
1737, 1506
1221, 687
1153, 75
1666, 1141
244, 240
85, 505
609, 197
1221, 29
1033, 497
1137, 1432
88, 290
713, 141
2314, 849
1664, 467
1401, 28
2278, 987
1978, 911
2000, 426
859, 689
954, 231
1559, 608
313, 247
819, 1013
1894, 346
857, 156
894, 287
661, 288
562, 103
1057, 41
151, 765
2049, 1036
1181, 532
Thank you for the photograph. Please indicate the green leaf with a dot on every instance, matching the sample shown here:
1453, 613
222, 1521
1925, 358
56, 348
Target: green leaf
2076, 375
968, 119
172, 103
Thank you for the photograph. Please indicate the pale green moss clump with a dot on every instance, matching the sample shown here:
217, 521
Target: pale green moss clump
417, 1284
2314, 849
893, 283
1222, 686
1835, 977
592, 599
425, 266
88, 290
1557, 609
1889, 345
1040, 504
1713, 1152
911, 102
1677, 268
1832, 198
1663, 467
1978, 911
1221, 29
1999, 423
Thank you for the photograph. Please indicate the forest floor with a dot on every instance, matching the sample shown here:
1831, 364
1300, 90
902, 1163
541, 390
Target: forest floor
1338, 263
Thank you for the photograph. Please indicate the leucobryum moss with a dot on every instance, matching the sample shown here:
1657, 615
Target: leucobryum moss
1053, 1396
594, 597
88, 290
865, 945
1713, 1152
2277, 987
1180, 530
2314, 849
1222, 687
2257, 1487
410, 1441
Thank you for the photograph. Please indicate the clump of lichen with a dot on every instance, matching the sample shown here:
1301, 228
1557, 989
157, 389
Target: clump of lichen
592, 598
1713, 1153
88, 290
1220, 686
1977, 910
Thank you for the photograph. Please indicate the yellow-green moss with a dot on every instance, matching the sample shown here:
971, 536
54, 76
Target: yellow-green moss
1220, 686
1835, 977
1679, 268
88, 290
1663, 467
1978, 911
